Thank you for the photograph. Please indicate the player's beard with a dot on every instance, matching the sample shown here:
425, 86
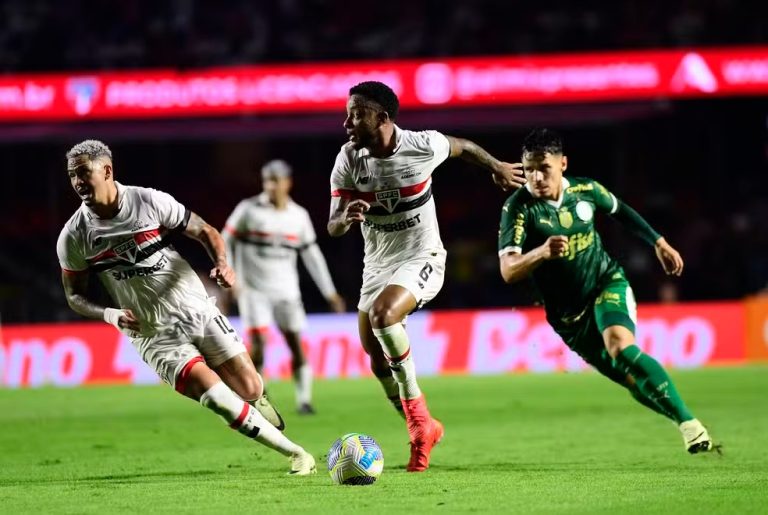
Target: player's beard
363, 141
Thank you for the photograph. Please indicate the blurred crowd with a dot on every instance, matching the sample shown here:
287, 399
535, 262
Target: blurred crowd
39, 35
700, 183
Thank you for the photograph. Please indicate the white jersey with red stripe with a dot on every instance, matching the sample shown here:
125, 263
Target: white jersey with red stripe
401, 223
131, 255
266, 243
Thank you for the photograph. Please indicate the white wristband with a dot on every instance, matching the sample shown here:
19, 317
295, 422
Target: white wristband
112, 316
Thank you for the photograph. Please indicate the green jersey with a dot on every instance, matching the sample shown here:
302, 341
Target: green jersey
571, 283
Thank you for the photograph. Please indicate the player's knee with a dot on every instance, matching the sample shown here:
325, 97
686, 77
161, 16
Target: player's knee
615, 343
251, 388
383, 316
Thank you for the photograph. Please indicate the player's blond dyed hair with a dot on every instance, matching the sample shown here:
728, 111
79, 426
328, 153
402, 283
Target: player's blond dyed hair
92, 148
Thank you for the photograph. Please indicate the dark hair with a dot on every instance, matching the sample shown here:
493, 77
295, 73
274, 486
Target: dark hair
541, 141
379, 93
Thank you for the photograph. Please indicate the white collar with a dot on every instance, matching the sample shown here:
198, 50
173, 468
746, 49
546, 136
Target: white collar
398, 132
554, 203
120, 198
398, 138
262, 199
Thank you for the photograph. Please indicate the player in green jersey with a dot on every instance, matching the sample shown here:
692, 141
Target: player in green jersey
547, 231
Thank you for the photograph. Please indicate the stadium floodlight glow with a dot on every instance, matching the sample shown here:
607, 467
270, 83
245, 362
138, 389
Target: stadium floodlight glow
424, 84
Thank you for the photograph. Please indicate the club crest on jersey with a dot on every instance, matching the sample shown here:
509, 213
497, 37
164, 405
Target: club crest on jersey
565, 218
584, 211
389, 199
127, 250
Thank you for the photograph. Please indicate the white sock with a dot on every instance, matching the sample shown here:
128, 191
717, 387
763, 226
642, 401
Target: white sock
391, 389
244, 418
394, 340
303, 380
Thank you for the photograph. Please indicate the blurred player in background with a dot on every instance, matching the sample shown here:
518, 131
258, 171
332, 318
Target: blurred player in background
264, 233
121, 234
382, 180
547, 231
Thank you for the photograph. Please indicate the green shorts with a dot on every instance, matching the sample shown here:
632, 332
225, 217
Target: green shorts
615, 305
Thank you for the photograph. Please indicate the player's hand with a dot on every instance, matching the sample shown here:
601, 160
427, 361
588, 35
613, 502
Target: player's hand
555, 247
509, 176
128, 321
669, 257
223, 275
337, 303
354, 212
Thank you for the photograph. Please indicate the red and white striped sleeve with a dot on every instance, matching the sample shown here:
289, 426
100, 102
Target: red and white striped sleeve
342, 184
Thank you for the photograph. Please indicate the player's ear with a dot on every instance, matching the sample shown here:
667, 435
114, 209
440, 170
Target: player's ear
383, 117
108, 172
565, 163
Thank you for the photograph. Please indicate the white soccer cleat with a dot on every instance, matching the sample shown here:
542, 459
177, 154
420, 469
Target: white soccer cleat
269, 412
302, 464
696, 437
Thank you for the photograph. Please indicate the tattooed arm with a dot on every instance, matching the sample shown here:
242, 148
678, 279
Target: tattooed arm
211, 239
76, 288
508, 176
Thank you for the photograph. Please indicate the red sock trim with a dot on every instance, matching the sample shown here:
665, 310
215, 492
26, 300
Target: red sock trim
258, 330
399, 358
181, 381
240, 419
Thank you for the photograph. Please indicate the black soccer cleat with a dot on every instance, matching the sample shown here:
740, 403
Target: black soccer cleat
305, 409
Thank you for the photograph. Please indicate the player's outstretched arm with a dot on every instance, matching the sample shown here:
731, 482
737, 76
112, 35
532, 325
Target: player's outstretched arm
509, 176
515, 266
670, 258
315, 263
76, 290
214, 244
345, 212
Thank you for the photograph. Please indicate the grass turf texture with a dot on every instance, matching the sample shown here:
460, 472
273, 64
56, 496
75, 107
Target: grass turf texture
519, 443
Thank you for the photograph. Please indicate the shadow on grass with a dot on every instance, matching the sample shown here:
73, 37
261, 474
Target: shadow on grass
137, 477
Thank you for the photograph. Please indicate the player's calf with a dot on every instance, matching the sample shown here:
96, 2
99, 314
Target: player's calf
245, 419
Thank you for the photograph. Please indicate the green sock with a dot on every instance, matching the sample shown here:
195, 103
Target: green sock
634, 390
653, 382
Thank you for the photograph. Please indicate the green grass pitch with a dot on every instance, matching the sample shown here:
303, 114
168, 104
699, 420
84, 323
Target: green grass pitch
559, 443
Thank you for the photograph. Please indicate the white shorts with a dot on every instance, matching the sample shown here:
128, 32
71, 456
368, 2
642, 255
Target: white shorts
258, 311
422, 276
206, 336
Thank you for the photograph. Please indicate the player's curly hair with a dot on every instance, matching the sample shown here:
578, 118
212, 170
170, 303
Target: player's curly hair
541, 141
379, 93
92, 148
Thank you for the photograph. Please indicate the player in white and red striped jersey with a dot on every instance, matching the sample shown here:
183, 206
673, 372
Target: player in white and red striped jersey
382, 179
121, 234
264, 235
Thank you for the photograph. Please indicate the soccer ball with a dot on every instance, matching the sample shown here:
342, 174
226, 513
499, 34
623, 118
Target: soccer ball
355, 459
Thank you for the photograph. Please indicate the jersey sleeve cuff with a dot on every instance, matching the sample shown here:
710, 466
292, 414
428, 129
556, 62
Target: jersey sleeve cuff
72, 270
507, 250
615, 204
185, 221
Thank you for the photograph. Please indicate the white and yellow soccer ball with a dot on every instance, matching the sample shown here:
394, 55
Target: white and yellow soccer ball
355, 459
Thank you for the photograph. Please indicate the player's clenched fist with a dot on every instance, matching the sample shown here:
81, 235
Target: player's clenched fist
354, 212
128, 321
223, 275
555, 247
